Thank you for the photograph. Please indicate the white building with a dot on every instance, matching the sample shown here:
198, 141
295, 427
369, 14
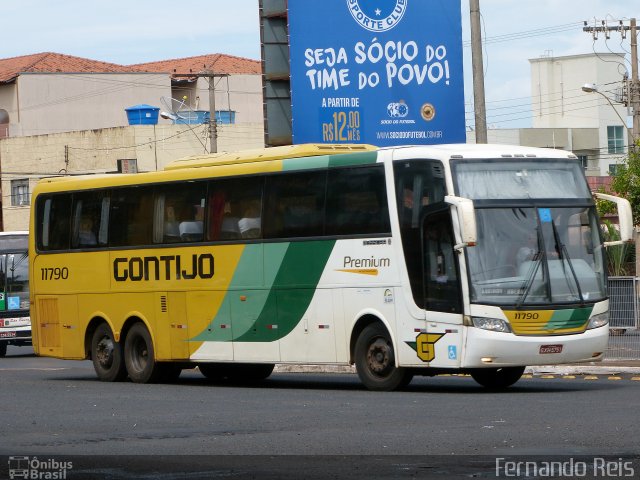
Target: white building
566, 117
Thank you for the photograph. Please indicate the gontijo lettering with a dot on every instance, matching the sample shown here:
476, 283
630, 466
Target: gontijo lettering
166, 267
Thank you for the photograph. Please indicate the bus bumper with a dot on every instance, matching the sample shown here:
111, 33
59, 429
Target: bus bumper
492, 349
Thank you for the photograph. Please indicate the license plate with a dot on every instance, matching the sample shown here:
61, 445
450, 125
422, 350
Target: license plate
550, 348
7, 334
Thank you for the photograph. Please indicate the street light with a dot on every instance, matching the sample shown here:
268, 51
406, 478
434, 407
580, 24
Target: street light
591, 87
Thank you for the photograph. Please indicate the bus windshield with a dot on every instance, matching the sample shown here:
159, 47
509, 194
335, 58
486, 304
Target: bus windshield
536, 255
538, 236
14, 281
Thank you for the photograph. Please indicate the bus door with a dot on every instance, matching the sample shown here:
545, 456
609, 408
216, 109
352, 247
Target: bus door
172, 327
442, 289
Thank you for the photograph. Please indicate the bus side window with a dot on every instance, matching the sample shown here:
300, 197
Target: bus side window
179, 213
130, 221
88, 226
357, 201
295, 206
53, 222
419, 185
440, 263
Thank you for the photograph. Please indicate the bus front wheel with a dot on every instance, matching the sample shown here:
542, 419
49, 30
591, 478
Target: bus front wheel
139, 356
376, 361
106, 355
497, 378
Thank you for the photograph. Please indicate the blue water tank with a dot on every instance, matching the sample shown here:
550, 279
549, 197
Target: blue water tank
225, 116
142, 115
192, 117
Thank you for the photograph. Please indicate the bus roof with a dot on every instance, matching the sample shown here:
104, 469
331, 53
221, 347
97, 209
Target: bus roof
265, 154
483, 151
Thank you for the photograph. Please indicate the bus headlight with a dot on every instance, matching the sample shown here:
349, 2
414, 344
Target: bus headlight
599, 320
492, 324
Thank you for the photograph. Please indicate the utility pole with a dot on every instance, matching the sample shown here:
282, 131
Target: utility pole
635, 82
213, 126
478, 73
633, 86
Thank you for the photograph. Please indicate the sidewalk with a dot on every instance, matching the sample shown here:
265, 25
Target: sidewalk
592, 368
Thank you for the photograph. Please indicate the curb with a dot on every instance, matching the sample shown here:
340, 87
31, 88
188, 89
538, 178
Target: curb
587, 369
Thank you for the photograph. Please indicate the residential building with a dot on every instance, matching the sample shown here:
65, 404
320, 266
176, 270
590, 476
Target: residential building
62, 115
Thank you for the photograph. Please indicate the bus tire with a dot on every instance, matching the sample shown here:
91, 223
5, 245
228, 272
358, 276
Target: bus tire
170, 372
213, 371
139, 356
376, 361
106, 355
3, 349
497, 378
250, 372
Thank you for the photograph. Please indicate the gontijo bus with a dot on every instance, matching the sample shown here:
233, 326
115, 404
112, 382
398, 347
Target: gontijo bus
402, 261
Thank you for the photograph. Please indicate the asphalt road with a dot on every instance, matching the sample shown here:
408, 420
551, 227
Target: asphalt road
55, 407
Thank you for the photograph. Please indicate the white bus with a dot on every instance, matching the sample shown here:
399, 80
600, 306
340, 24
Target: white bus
403, 261
15, 324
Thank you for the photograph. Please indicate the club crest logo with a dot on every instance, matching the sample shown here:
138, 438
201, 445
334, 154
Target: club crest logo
377, 15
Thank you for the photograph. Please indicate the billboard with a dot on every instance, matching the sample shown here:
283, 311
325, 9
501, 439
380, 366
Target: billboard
384, 72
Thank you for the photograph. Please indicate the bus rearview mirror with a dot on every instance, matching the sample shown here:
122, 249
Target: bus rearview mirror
625, 218
466, 220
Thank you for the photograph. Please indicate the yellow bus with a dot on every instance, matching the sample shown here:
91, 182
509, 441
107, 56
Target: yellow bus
403, 261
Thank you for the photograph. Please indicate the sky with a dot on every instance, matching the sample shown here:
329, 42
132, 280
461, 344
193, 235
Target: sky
138, 31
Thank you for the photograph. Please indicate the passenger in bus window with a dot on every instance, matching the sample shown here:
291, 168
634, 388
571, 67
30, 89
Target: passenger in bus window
249, 225
86, 236
171, 230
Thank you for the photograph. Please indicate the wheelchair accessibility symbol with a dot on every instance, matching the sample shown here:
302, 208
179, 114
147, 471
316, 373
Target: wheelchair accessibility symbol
453, 352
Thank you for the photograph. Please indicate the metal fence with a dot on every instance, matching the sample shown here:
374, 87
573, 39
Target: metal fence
624, 340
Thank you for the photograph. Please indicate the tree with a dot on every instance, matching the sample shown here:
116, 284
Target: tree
626, 182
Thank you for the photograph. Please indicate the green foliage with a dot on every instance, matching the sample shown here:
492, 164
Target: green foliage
626, 182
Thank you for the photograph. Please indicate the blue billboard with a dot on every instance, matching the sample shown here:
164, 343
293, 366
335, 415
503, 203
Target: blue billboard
384, 72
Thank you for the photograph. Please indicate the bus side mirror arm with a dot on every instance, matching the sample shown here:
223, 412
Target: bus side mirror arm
466, 220
625, 218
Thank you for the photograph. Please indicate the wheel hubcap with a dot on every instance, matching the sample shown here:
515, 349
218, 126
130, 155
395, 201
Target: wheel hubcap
379, 356
141, 354
104, 352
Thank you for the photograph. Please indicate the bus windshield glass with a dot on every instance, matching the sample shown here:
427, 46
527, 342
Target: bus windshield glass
520, 179
14, 281
538, 236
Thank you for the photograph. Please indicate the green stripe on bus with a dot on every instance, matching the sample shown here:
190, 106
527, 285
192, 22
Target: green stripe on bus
352, 159
291, 274
306, 163
324, 161
569, 318
292, 292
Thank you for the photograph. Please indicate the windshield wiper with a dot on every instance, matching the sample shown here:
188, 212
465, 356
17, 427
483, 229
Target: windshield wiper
531, 275
538, 258
563, 253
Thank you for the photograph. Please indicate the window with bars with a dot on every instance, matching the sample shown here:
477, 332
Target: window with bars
20, 192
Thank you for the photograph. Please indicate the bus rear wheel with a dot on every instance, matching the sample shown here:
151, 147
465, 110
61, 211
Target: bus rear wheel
139, 356
376, 361
3, 349
106, 355
497, 378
